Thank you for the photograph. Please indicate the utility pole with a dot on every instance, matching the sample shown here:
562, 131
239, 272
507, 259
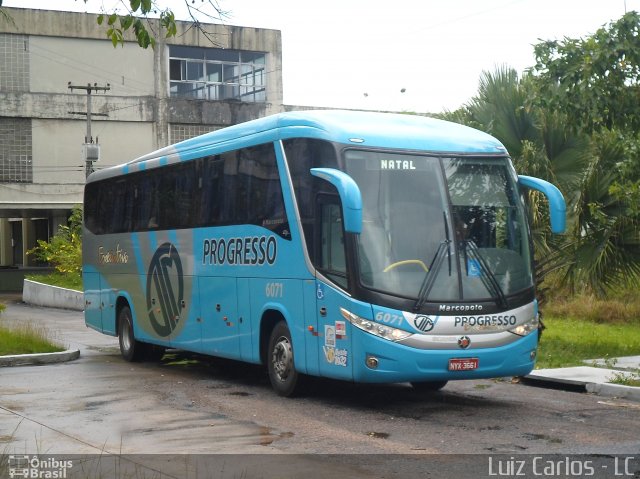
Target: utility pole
91, 149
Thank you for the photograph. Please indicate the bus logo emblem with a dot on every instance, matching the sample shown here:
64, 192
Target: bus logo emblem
424, 323
165, 289
464, 342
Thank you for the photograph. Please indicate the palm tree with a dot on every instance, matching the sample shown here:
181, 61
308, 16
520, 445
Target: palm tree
607, 229
601, 247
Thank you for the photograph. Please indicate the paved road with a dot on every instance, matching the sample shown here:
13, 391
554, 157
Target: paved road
100, 404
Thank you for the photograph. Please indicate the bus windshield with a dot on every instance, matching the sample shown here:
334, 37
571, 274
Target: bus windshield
440, 229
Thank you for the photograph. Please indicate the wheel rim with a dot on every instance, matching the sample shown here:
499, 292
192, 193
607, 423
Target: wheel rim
126, 337
282, 359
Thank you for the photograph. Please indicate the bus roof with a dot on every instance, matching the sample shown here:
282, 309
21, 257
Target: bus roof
362, 128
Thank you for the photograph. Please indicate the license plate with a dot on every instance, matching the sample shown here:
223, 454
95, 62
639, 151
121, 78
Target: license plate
463, 364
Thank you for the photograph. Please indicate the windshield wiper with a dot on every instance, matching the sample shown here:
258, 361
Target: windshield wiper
430, 277
486, 275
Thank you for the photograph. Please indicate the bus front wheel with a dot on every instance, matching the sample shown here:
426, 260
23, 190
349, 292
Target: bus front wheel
280, 363
130, 348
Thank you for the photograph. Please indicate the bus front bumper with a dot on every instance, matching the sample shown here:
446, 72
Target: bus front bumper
377, 360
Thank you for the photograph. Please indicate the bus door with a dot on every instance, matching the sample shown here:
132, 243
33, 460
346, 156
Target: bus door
108, 310
335, 343
92, 309
99, 304
312, 293
219, 316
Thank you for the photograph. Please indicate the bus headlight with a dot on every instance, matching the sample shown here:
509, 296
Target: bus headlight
526, 328
377, 329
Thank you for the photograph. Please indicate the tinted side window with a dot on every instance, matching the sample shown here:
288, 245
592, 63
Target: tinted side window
243, 187
331, 250
302, 155
259, 192
210, 184
238, 187
91, 192
108, 207
147, 202
177, 200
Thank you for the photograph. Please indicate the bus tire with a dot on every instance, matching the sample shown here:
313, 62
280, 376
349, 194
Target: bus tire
283, 376
130, 348
428, 386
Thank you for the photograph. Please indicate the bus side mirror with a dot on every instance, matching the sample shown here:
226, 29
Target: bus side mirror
557, 205
350, 196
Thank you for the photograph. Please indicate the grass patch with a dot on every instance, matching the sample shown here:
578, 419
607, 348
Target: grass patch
27, 339
626, 379
622, 308
568, 341
62, 280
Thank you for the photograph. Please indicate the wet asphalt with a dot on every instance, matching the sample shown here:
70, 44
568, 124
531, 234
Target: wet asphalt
188, 405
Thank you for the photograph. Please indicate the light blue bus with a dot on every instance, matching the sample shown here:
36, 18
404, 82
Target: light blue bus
359, 246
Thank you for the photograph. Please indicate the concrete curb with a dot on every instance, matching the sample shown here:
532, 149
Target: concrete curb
614, 390
40, 294
583, 378
40, 358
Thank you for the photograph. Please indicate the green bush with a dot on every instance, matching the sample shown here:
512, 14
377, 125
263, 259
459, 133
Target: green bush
64, 250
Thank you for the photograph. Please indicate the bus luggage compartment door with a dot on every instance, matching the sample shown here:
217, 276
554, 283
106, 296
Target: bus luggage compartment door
218, 310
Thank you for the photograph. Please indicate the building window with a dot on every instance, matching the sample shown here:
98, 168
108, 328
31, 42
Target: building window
180, 132
14, 62
217, 74
15, 151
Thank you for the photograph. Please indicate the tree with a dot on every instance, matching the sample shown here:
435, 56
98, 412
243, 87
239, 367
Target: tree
574, 119
137, 19
601, 248
606, 249
596, 80
540, 145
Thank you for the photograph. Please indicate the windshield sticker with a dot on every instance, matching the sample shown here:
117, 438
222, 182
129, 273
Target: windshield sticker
473, 268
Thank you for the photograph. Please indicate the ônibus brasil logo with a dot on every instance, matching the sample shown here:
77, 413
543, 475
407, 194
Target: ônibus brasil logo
165, 289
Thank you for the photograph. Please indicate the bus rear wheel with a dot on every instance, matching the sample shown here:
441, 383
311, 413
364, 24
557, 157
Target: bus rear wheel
429, 386
283, 376
130, 348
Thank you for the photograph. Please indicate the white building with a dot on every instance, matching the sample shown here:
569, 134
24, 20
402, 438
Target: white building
151, 98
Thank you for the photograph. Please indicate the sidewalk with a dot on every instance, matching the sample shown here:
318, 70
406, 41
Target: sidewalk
594, 378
